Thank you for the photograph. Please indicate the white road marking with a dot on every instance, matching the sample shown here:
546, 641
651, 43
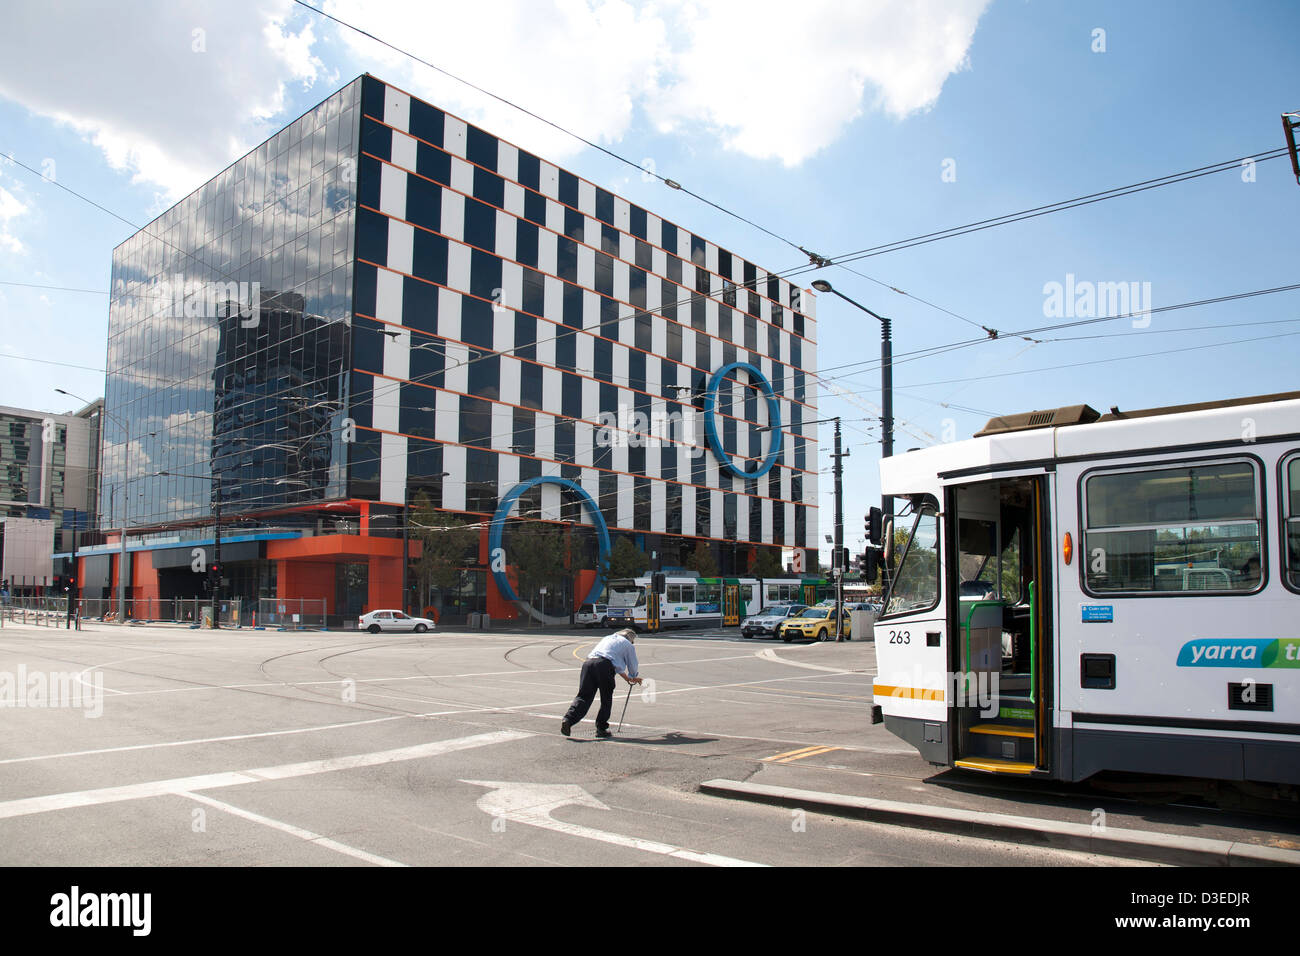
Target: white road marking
201, 740
532, 803
387, 680
314, 838
236, 778
770, 654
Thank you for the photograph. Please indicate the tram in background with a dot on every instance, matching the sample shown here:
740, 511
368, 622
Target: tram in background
689, 600
1082, 593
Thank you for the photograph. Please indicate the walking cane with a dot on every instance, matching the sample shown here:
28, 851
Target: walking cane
625, 703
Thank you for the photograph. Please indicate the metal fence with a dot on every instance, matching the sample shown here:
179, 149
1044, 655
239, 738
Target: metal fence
38, 611
291, 614
163, 610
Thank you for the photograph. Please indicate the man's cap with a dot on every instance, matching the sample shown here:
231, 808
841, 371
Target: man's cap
628, 633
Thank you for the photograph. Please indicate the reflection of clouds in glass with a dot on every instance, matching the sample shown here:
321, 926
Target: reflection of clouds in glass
282, 219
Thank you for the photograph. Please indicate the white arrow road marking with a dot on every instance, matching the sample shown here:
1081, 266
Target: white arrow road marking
769, 654
236, 778
532, 804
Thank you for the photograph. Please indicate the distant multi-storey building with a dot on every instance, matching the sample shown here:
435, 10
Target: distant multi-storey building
49, 467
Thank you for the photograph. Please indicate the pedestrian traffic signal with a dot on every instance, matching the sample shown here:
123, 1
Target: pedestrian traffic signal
874, 518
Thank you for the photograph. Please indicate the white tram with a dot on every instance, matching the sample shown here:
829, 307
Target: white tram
690, 600
1084, 593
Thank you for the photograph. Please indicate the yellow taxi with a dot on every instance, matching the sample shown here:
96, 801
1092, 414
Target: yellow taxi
815, 624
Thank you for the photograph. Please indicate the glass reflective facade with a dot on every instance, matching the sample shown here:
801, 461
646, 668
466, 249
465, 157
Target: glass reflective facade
228, 335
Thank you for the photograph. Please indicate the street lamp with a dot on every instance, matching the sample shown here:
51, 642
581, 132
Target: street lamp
886, 389
126, 502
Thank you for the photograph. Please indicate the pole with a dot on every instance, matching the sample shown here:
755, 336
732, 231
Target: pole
126, 515
838, 563
886, 425
216, 551
406, 549
72, 590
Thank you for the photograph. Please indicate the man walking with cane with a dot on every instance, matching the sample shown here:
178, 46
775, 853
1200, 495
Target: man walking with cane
613, 655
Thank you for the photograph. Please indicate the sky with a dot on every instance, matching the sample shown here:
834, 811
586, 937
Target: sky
835, 126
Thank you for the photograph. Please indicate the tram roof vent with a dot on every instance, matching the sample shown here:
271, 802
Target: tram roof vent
1048, 418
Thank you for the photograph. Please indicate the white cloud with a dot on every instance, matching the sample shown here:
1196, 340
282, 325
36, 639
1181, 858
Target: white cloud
582, 65
770, 79
170, 90
10, 208
781, 82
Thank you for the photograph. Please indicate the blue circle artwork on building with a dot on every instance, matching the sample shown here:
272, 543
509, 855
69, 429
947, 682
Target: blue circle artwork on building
773, 418
496, 533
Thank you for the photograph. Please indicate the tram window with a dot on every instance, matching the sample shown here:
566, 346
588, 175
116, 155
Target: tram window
674, 594
916, 583
1291, 513
1161, 530
688, 594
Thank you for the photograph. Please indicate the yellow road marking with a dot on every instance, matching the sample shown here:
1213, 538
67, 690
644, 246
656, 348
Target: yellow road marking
580, 647
815, 752
791, 755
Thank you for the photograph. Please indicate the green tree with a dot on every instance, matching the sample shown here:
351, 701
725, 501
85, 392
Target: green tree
769, 564
448, 544
701, 560
540, 553
626, 560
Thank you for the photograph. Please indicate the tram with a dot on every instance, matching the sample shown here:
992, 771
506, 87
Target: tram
1082, 593
689, 600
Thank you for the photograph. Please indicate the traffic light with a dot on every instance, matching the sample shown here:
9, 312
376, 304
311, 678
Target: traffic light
869, 563
874, 519
658, 582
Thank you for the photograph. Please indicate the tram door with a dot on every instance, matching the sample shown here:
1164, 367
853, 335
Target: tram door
730, 605
998, 533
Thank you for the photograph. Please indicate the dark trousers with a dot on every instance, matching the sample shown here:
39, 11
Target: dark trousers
597, 674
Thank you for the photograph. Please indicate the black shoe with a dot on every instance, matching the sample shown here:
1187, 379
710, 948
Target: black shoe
603, 734
564, 727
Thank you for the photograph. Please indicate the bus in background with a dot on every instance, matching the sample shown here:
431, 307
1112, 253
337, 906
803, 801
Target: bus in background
1081, 593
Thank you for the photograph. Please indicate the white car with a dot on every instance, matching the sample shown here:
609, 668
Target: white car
377, 621
766, 623
591, 615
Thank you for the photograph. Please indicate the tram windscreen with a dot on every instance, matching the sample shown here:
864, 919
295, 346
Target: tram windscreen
626, 593
916, 583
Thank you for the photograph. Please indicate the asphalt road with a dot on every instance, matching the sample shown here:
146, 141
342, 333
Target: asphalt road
178, 747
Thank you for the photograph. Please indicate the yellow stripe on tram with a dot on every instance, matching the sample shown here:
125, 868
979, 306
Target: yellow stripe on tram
914, 693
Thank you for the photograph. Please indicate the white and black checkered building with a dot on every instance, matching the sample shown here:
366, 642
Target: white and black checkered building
503, 304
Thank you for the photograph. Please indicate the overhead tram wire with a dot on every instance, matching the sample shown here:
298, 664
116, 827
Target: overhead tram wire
821, 262
1116, 358
916, 354
1045, 210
